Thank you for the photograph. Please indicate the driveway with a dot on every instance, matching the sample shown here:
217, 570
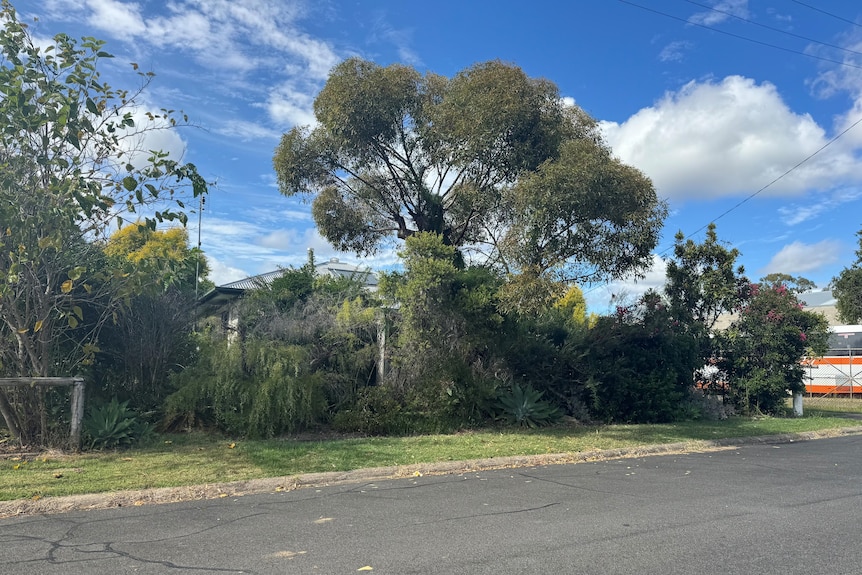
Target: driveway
792, 508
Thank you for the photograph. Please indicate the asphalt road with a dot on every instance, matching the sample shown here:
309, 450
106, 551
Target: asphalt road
791, 509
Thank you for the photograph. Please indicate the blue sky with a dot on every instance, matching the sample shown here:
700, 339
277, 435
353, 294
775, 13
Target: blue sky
712, 99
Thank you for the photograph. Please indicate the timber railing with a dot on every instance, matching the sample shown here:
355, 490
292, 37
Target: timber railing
77, 384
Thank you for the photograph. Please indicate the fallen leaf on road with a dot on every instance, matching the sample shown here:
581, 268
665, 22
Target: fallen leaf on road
287, 554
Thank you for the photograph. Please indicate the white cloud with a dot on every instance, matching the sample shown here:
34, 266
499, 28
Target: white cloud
247, 131
674, 52
798, 213
799, 257
111, 14
232, 39
136, 144
221, 273
401, 38
723, 10
732, 137
296, 241
291, 106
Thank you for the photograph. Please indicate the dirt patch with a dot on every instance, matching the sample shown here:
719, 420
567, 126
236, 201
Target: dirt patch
50, 505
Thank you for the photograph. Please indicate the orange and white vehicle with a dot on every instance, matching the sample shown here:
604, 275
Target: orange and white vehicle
839, 372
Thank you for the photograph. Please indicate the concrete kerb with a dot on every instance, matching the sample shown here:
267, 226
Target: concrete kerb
51, 505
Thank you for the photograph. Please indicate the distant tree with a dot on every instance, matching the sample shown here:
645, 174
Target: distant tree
796, 284
762, 351
573, 305
703, 280
847, 289
491, 160
69, 169
704, 283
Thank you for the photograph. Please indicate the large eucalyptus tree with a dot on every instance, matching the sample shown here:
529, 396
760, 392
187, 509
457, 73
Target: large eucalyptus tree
494, 161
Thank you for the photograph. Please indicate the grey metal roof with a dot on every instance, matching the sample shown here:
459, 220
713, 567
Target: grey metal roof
258, 281
336, 269
333, 268
817, 298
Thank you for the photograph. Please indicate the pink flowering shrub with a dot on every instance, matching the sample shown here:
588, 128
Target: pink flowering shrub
762, 351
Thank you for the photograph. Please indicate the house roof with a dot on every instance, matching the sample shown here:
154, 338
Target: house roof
818, 298
333, 267
339, 269
261, 280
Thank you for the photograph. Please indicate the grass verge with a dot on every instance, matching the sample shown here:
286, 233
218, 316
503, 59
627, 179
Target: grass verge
182, 460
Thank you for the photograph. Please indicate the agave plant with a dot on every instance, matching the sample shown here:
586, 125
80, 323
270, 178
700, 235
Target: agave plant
113, 425
524, 406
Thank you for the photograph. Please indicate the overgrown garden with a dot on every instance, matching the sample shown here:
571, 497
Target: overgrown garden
502, 200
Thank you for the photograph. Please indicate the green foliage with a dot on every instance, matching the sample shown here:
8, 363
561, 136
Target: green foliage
379, 411
295, 285
582, 217
114, 424
847, 289
637, 365
159, 259
489, 158
256, 388
305, 347
150, 339
529, 293
573, 307
797, 284
445, 350
150, 336
761, 352
69, 170
523, 406
703, 281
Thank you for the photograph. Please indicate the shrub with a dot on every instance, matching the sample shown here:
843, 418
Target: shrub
524, 406
761, 352
113, 425
637, 365
258, 388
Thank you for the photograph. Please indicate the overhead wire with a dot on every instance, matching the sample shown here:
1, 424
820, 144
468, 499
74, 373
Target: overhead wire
785, 173
754, 194
741, 37
773, 28
776, 180
816, 9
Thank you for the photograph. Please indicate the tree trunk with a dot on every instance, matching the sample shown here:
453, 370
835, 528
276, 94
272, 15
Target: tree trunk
9, 416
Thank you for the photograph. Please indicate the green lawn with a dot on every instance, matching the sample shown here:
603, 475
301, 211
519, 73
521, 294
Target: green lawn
181, 460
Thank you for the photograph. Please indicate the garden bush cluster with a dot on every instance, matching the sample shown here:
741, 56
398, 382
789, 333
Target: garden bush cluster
526, 187
305, 356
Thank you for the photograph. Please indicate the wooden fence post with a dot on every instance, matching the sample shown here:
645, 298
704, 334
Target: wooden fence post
77, 384
77, 413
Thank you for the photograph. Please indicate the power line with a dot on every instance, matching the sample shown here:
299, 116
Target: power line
782, 176
753, 195
816, 9
774, 29
740, 37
